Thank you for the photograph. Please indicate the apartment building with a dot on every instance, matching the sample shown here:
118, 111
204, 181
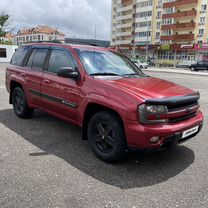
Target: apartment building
39, 33
172, 30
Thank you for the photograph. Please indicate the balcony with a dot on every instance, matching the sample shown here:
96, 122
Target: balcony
123, 17
123, 34
182, 37
123, 42
126, 25
178, 3
190, 13
187, 25
125, 8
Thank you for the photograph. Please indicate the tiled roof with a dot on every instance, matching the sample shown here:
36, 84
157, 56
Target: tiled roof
39, 29
9, 35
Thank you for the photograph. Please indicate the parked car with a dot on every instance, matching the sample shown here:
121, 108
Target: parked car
140, 64
202, 65
118, 107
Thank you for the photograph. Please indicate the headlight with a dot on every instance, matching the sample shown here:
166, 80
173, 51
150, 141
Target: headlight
152, 114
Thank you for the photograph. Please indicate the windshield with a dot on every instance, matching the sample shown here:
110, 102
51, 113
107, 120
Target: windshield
107, 63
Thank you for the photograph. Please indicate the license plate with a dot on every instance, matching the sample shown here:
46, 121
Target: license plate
189, 132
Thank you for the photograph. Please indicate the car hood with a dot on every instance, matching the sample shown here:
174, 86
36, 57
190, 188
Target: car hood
150, 87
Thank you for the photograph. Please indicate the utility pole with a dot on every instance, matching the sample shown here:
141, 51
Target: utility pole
147, 33
95, 33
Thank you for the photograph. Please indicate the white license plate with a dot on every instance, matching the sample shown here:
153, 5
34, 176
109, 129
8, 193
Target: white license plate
189, 132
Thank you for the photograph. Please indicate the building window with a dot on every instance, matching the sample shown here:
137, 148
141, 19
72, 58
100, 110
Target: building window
143, 34
157, 34
169, 10
167, 32
158, 25
202, 19
144, 14
159, 15
144, 24
3, 53
145, 4
203, 7
201, 31
167, 21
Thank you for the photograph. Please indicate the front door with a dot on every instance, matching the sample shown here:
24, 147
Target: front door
60, 95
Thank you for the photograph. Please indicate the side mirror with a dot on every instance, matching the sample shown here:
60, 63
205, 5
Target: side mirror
68, 72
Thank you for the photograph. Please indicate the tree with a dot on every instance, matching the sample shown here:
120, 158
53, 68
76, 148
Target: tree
4, 17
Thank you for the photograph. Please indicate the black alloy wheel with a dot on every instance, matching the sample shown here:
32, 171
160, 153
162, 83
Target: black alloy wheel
106, 137
20, 105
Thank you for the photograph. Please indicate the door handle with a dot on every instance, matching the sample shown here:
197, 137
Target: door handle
46, 81
23, 74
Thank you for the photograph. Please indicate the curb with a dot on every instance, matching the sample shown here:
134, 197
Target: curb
177, 72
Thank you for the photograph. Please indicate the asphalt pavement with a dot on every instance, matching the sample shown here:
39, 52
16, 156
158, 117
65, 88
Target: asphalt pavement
44, 163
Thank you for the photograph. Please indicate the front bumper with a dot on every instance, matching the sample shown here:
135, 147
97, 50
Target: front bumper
138, 136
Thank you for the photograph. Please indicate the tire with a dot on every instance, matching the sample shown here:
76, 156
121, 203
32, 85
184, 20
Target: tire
192, 69
106, 137
20, 105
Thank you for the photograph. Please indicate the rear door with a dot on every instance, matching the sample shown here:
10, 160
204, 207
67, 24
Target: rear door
60, 95
34, 66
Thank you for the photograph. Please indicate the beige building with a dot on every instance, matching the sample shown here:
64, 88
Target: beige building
167, 26
39, 33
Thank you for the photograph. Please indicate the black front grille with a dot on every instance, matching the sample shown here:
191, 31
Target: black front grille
182, 118
182, 106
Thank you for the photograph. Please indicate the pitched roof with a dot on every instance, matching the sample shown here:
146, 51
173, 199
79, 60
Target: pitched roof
9, 35
39, 29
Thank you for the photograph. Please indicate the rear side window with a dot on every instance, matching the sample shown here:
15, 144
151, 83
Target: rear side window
19, 55
60, 58
37, 58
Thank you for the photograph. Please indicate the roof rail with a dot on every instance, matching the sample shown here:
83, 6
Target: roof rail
69, 41
45, 41
78, 41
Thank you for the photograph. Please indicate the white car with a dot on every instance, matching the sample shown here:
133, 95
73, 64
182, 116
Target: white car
140, 64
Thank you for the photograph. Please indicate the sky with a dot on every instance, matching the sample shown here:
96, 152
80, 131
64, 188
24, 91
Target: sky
72, 17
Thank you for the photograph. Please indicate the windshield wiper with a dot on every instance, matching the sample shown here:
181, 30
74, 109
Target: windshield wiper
104, 74
134, 74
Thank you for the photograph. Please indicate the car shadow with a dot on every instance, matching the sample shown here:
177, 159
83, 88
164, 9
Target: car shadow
54, 136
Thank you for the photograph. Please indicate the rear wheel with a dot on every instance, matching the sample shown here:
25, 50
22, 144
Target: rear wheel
20, 105
193, 69
106, 137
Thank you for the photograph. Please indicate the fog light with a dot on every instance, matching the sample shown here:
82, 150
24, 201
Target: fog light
154, 139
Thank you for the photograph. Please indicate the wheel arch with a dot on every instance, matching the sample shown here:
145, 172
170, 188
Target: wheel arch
13, 85
93, 108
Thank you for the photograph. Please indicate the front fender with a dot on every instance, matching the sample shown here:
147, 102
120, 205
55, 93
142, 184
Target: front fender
104, 101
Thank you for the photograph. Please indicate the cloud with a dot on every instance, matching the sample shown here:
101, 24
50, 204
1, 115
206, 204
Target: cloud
73, 17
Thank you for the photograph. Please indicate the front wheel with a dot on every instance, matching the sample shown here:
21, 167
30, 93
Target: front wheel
20, 105
106, 137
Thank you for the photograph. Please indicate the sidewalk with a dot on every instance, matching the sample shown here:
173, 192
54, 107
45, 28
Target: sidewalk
178, 71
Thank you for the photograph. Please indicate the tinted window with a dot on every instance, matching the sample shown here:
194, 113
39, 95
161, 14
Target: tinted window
31, 58
59, 59
39, 58
19, 55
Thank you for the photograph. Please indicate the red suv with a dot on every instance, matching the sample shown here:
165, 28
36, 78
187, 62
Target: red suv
102, 91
